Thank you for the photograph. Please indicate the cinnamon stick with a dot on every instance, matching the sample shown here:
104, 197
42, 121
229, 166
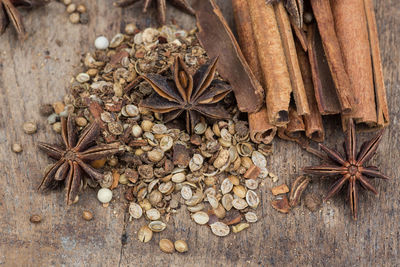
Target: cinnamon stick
324, 17
380, 91
272, 60
352, 34
260, 128
324, 87
312, 122
218, 40
294, 129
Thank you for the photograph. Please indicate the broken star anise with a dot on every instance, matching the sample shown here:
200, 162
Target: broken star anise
73, 159
9, 12
161, 7
196, 95
351, 167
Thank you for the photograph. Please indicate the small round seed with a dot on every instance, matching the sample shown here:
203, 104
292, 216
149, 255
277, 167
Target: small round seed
101, 43
239, 203
200, 217
226, 186
135, 210
153, 214
29, 127
181, 246
104, 195
81, 8
136, 130
251, 217
67, 2
240, 191
87, 215
186, 192
57, 127
71, 8
166, 246
75, 18
130, 28
81, 121
35, 218
220, 229
145, 234
157, 226
17, 148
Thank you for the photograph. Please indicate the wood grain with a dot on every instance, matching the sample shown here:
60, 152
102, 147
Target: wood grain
38, 71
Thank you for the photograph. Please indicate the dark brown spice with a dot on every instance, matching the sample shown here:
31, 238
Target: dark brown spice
351, 167
73, 159
195, 95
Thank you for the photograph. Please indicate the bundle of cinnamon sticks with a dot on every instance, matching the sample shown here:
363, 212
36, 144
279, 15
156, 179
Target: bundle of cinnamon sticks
328, 64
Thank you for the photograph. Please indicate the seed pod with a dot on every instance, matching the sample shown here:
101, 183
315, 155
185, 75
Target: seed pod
252, 199
135, 210
226, 186
157, 226
251, 217
227, 201
239, 203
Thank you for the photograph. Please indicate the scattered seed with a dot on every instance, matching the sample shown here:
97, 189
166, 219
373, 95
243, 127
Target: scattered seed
29, 127
104, 195
153, 214
157, 226
239, 203
74, 17
186, 192
87, 215
101, 42
17, 148
200, 217
252, 199
166, 246
135, 210
250, 217
145, 234
226, 186
35, 218
181, 246
220, 229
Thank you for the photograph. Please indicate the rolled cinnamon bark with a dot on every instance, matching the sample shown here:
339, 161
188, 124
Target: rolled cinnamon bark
294, 129
260, 128
324, 17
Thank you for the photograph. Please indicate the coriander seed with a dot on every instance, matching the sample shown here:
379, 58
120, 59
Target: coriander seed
74, 18
87, 215
145, 234
81, 8
181, 246
71, 8
17, 148
166, 246
29, 127
57, 127
81, 121
35, 218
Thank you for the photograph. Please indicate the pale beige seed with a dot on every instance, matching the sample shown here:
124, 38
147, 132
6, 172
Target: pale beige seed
146, 125
239, 203
178, 177
137, 131
135, 210
17, 148
166, 188
181, 246
222, 158
252, 199
35, 218
145, 204
251, 184
145, 234
220, 229
75, 18
159, 128
251, 217
240, 227
155, 155
186, 192
166, 143
81, 8
166, 246
200, 217
240, 191
226, 186
81, 121
196, 208
220, 211
259, 159
71, 8
157, 226
212, 200
29, 127
227, 201
196, 162
234, 179
130, 28
57, 127
153, 214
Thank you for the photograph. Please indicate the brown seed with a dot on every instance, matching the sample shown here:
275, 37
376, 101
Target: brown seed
87, 215
74, 18
145, 234
71, 8
17, 148
81, 8
280, 189
166, 246
29, 127
240, 191
281, 204
46, 110
98, 163
181, 246
81, 121
35, 218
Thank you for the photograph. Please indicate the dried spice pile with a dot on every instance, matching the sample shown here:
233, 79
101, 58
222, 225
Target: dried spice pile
215, 171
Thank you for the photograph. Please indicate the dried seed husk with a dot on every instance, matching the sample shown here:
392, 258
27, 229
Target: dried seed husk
227, 201
220, 229
186, 192
220, 211
250, 217
196, 198
166, 246
135, 210
212, 200
222, 159
251, 184
196, 208
153, 214
145, 204
166, 188
196, 162
239, 203
240, 227
166, 143
181, 246
178, 177
145, 234
240, 191
226, 186
280, 189
157, 226
259, 159
244, 149
200, 217
234, 179
252, 199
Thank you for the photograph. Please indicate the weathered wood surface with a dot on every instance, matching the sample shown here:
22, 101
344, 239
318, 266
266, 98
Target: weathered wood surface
38, 71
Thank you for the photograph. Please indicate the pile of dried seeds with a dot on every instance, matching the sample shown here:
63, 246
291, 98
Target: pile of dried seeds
215, 173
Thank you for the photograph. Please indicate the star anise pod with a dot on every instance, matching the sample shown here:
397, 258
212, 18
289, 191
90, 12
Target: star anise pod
195, 95
9, 12
161, 7
350, 168
74, 157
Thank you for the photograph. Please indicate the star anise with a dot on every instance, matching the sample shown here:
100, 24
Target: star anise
161, 7
9, 12
74, 157
196, 95
350, 167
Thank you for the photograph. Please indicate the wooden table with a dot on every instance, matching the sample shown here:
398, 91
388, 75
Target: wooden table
38, 71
